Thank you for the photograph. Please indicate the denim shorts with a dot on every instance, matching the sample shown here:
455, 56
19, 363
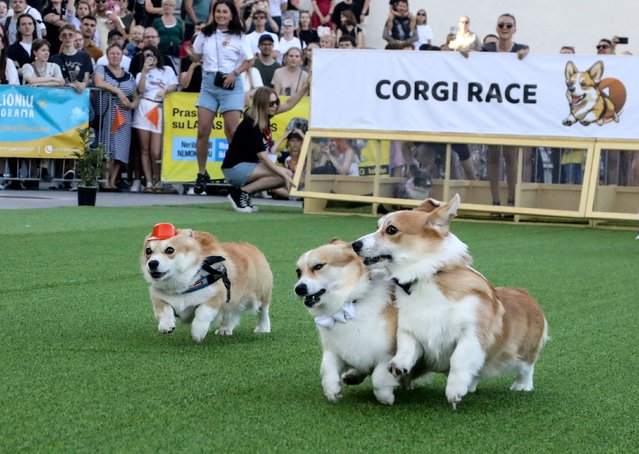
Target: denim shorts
215, 98
238, 174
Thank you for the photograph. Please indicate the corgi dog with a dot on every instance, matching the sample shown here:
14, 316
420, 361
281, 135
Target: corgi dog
203, 281
588, 103
355, 316
449, 315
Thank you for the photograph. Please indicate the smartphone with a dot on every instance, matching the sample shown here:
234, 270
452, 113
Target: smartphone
622, 40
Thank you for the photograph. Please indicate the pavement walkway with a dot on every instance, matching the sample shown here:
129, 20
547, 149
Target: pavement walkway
46, 198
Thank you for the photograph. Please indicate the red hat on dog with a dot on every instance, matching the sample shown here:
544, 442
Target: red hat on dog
162, 231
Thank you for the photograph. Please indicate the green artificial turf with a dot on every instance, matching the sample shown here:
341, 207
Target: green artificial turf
83, 368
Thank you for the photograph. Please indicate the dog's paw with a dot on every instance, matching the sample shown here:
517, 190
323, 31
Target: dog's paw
353, 377
166, 327
262, 329
516, 386
224, 331
384, 396
585, 122
199, 331
396, 369
334, 394
567, 122
455, 395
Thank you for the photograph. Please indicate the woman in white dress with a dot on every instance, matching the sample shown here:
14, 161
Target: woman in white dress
154, 82
424, 31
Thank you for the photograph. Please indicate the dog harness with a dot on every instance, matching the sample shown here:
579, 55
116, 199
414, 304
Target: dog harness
212, 275
343, 315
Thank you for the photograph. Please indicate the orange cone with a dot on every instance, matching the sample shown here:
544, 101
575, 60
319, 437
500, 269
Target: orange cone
118, 120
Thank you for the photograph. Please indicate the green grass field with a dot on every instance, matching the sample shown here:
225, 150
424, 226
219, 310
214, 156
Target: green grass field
85, 370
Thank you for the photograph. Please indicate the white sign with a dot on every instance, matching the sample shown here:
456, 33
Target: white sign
579, 96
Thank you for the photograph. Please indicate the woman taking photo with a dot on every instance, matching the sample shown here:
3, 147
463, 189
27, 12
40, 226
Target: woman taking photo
154, 82
118, 99
247, 165
225, 54
291, 77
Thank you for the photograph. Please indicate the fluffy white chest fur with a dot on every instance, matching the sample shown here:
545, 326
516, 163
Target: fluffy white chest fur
436, 323
363, 341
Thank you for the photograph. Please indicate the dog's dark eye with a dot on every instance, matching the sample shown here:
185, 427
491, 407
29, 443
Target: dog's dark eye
318, 267
148, 251
391, 230
298, 272
169, 250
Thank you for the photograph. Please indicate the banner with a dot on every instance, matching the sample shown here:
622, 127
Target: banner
578, 96
38, 122
179, 162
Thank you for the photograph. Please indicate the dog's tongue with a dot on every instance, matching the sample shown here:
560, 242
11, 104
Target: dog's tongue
575, 99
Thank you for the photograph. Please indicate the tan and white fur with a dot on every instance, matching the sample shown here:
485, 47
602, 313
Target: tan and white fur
588, 104
331, 277
449, 314
170, 266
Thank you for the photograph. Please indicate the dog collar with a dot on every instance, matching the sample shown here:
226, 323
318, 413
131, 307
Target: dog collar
343, 315
406, 286
212, 275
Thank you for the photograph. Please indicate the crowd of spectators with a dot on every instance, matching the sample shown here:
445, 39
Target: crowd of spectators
135, 52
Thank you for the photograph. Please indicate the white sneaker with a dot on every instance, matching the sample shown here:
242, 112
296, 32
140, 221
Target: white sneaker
136, 186
239, 200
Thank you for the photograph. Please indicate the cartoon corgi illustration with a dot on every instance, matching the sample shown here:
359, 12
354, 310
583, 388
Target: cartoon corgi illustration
587, 97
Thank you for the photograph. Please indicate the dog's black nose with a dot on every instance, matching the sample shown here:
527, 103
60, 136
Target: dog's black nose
571, 89
357, 245
153, 264
301, 290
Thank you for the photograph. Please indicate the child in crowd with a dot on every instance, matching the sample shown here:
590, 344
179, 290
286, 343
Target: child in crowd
135, 41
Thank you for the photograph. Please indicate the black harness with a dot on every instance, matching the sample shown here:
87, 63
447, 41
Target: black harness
214, 275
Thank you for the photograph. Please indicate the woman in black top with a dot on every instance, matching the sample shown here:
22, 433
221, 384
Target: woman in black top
247, 165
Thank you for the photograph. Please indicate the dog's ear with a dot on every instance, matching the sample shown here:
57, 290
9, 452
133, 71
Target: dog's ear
429, 205
570, 70
335, 240
440, 218
596, 71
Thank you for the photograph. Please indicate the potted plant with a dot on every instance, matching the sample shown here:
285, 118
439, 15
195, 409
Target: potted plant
89, 167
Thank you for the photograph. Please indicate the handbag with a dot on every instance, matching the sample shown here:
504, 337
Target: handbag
219, 81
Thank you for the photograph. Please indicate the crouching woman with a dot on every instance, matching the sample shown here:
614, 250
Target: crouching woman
247, 166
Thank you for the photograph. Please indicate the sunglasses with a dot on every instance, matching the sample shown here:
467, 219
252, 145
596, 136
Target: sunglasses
274, 103
505, 25
100, 1
287, 25
421, 14
149, 56
603, 46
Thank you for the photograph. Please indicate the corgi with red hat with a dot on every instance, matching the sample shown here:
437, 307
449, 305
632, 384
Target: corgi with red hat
205, 282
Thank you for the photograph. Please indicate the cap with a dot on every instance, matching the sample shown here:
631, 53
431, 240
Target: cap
162, 231
295, 135
265, 37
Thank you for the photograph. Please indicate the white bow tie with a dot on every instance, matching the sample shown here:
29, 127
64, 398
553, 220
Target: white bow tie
342, 316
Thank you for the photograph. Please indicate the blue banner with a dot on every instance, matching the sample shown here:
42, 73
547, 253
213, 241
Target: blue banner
41, 122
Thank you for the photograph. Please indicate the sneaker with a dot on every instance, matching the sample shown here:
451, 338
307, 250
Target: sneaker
240, 200
136, 186
200, 183
253, 208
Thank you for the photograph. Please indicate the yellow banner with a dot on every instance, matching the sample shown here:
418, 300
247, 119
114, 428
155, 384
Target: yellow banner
179, 162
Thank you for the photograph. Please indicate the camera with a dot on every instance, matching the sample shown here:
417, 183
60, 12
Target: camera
298, 123
622, 40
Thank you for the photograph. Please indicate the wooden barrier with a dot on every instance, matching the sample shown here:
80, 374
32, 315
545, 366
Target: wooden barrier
590, 201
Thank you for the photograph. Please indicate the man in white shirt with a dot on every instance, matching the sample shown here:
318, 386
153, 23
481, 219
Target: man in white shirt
259, 21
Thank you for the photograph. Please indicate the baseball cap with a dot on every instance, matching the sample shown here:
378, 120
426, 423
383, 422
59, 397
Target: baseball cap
265, 37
